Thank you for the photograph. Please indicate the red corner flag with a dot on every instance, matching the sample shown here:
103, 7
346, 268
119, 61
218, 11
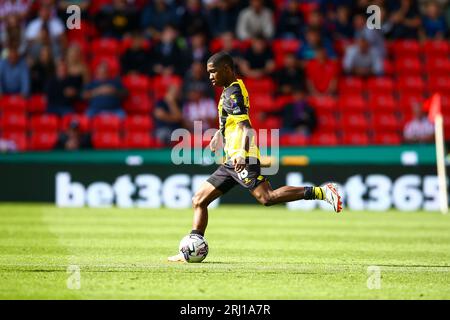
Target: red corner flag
433, 106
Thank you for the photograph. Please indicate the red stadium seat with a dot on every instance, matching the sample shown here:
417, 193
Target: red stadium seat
439, 84
352, 103
19, 138
137, 83
380, 85
138, 104
87, 31
350, 85
437, 66
354, 122
413, 84
105, 47
262, 102
383, 122
327, 122
13, 121
324, 139
44, 123
403, 48
37, 103
264, 85
106, 123
137, 140
106, 140
323, 103
43, 141
272, 122
382, 103
137, 123
387, 138
293, 139
356, 138
162, 83
282, 101
80, 118
408, 66
13, 103
436, 48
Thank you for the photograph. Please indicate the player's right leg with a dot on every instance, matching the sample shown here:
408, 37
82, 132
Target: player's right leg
202, 198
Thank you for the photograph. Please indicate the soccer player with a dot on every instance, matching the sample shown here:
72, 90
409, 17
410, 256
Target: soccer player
242, 165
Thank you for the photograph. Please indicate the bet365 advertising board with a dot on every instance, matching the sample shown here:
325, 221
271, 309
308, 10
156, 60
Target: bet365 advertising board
364, 187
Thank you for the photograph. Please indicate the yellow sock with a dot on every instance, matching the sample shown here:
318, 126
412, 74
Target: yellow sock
318, 193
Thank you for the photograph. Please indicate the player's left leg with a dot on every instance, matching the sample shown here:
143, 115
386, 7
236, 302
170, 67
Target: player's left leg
268, 197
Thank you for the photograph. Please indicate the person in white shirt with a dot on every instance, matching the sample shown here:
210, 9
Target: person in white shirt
362, 60
54, 24
255, 20
419, 129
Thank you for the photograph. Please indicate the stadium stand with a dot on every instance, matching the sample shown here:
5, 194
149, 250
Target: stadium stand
365, 110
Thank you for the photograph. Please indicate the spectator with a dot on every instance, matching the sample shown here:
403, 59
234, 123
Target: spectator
198, 50
76, 67
104, 93
362, 60
405, 19
343, 28
255, 20
14, 74
169, 55
316, 22
258, 60
155, 16
41, 70
290, 77
62, 91
73, 138
298, 116
136, 58
434, 25
222, 16
199, 107
167, 115
43, 40
419, 129
291, 21
13, 34
313, 40
375, 37
45, 20
322, 74
197, 76
193, 19
117, 20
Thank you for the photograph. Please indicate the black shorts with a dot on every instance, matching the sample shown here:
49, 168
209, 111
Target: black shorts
225, 178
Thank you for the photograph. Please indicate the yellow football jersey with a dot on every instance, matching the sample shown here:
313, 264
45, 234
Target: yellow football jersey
233, 108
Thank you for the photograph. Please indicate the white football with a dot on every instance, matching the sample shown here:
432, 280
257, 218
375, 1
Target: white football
194, 248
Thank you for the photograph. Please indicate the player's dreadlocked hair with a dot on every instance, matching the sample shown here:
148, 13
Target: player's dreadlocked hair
221, 58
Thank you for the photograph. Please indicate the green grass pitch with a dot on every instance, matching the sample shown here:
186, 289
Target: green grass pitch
255, 253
